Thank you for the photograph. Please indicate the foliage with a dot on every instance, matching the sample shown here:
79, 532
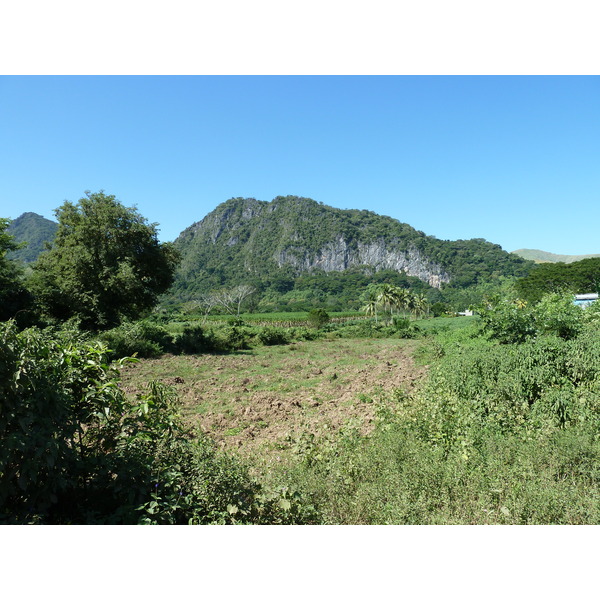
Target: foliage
195, 339
105, 264
438, 309
514, 321
34, 232
508, 321
527, 389
580, 277
14, 297
272, 336
142, 338
318, 317
77, 450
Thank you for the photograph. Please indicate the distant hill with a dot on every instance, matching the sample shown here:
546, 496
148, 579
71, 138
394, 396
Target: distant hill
539, 256
273, 245
36, 231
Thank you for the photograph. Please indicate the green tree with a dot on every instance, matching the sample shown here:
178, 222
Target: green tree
419, 305
105, 265
13, 295
389, 298
370, 302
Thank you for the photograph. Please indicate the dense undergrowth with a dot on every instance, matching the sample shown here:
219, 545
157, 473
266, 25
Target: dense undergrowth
503, 430
498, 433
76, 449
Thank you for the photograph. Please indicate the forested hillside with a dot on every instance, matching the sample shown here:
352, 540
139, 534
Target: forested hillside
33, 229
291, 244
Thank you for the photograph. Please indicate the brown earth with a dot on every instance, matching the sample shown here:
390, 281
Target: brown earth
260, 401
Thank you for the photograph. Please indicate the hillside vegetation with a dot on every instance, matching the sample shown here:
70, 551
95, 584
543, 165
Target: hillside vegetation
540, 256
581, 277
33, 230
279, 246
116, 411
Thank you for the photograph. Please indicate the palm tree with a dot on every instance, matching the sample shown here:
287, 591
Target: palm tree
405, 299
420, 305
371, 304
386, 296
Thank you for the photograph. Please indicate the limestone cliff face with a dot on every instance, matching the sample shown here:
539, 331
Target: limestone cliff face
338, 255
249, 239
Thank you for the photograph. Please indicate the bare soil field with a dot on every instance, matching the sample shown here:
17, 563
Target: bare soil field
258, 401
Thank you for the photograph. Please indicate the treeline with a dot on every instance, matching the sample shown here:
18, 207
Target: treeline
581, 277
104, 266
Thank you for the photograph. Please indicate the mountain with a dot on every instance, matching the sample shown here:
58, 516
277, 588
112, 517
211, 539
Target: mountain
539, 256
33, 229
273, 245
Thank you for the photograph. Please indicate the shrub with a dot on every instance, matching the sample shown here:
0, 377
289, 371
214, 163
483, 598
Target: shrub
195, 339
273, 336
236, 338
513, 322
318, 317
528, 389
556, 314
508, 322
142, 338
75, 449
303, 333
404, 328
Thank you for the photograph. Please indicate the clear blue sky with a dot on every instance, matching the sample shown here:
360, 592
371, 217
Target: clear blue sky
514, 160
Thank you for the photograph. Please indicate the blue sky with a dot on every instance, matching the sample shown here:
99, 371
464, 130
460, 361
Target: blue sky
512, 159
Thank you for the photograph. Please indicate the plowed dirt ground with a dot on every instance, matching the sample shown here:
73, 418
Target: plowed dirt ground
258, 401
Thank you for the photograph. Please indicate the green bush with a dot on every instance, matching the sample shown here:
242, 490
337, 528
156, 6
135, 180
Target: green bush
526, 389
235, 338
195, 339
273, 336
75, 449
318, 317
142, 338
508, 322
404, 328
303, 334
513, 322
557, 315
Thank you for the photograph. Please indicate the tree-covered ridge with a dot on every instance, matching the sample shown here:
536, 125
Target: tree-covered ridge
35, 231
581, 277
258, 242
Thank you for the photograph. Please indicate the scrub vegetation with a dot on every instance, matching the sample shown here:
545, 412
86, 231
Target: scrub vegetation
117, 410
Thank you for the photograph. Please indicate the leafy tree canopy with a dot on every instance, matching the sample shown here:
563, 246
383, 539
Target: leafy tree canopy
13, 295
580, 277
106, 264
